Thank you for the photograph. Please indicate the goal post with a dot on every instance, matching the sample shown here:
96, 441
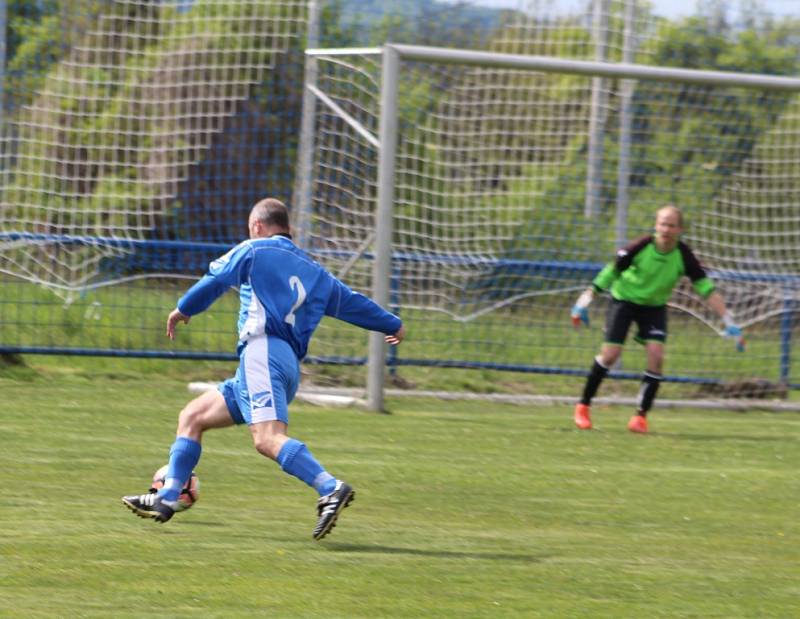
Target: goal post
464, 211
382, 270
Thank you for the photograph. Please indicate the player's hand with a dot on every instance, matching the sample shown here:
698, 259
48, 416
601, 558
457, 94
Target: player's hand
175, 316
735, 333
580, 311
732, 330
579, 315
397, 337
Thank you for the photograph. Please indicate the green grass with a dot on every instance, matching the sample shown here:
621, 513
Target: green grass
463, 510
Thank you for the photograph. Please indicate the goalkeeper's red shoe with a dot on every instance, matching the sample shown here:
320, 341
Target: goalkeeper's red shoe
583, 418
638, 423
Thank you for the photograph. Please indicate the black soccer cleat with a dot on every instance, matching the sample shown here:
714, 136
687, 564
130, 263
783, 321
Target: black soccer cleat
148, 505
329, 506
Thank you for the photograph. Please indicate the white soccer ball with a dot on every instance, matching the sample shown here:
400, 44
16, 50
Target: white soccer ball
189, 494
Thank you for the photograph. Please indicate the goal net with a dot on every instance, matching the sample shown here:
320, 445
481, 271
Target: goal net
100, 139
135, 136
514, 184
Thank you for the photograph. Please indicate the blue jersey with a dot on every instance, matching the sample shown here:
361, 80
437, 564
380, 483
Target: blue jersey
283, 293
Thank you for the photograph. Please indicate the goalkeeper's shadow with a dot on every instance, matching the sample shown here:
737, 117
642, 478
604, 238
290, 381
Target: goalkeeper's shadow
440, 554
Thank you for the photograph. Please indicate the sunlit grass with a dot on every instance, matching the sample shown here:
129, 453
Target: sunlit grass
462, 510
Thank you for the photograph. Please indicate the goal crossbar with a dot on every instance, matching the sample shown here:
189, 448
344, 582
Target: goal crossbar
576, 67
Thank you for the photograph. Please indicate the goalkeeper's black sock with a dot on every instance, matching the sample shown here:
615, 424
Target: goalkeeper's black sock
596, 376
647, 391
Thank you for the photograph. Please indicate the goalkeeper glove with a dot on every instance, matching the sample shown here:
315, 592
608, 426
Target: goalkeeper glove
733, 331
580, 313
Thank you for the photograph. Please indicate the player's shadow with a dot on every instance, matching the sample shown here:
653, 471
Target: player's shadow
485, 421
204, 523
440, 554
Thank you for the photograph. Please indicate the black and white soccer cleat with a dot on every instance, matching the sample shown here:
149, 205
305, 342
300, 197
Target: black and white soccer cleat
329, 507
148, 505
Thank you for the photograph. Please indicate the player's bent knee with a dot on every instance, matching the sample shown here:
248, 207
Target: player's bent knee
265, 449
190, 421
269, 437
267, 446
610, 355
203, 413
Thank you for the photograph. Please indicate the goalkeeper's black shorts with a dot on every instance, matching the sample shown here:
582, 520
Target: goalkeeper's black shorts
651, 321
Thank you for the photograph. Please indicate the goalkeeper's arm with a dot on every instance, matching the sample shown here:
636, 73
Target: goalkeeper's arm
601, 283
732, 329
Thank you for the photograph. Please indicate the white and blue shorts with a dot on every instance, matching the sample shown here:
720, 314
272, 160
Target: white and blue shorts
265, 382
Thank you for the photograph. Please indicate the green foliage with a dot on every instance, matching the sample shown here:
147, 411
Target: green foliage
688, 141
335, 31
116, 98
694, 43
34, 42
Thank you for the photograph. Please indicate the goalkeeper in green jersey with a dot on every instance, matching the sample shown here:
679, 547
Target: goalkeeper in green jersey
641, 280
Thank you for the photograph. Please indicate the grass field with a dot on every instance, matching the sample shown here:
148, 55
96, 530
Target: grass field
463, 510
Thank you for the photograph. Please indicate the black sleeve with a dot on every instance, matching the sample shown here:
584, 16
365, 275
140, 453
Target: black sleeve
626, 255
694, 270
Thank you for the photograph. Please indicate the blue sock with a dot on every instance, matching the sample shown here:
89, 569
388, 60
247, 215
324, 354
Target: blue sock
183, 457
296, 459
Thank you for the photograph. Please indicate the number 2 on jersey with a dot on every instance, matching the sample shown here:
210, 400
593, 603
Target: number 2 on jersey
295, 284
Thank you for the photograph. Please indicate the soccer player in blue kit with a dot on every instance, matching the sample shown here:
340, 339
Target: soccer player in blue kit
284, 294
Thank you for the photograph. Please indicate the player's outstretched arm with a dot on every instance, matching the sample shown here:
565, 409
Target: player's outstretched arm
353, 307
396, 337
175, 316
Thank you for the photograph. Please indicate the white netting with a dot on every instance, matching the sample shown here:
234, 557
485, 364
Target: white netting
750, 230
491, 227
346, 167
119, 115
100, 136
564, 29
